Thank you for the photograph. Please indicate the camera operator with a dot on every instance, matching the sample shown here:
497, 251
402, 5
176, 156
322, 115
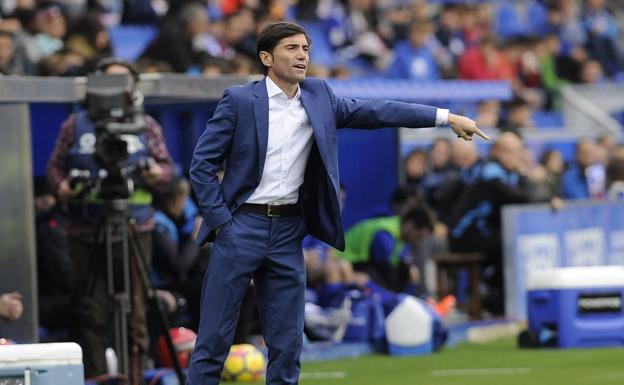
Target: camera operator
75, 149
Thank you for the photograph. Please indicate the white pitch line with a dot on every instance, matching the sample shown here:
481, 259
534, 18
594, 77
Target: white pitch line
322, 375
479, 372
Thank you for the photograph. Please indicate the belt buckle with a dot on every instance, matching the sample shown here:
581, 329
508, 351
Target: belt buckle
270, 212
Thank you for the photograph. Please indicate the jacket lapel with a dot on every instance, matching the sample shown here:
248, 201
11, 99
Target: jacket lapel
311, 108
261, 115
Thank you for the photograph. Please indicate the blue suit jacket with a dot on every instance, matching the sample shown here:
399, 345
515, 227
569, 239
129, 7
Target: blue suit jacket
236, 138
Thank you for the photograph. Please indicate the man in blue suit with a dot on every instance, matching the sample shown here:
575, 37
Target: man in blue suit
276, 139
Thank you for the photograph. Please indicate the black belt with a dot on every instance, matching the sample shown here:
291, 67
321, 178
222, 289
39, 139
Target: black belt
270, 210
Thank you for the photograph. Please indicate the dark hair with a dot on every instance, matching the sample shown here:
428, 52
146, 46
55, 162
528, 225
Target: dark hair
418, 151
272, 34
175, 189
546, 155
420, 216
402, 194
103, 65
615, 170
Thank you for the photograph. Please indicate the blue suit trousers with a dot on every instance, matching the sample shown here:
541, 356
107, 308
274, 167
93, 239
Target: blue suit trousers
267, 250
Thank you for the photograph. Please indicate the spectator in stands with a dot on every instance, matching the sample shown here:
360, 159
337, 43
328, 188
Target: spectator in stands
238, 33
143, 11
440, 172
475, 219
615, 179
88, 38
449, 33
11, 307
546, 177
416, 58
578, 176
361, 35
175, 42
618, 152
518, 118
24, 49
476, 23
62, 63
488, 114
415, 167
50, 25
548, 51
75, 149
602, 36
485, 62
591, 72
7, 53
465, 157
73, 9
215, 66
381, 247
178, 263
608, 142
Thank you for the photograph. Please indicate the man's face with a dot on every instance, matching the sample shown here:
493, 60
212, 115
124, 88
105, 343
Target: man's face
509, 151
289, 61
440, 154
6, 50
585, 153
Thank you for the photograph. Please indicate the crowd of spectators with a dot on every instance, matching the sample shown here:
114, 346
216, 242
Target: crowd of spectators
468, 190
537, 45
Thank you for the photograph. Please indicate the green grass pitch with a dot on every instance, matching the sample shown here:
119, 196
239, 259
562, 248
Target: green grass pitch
495, 363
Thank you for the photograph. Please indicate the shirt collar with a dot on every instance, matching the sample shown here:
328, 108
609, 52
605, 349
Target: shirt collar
273, 89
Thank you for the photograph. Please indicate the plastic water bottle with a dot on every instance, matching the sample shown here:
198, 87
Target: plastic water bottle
112, 363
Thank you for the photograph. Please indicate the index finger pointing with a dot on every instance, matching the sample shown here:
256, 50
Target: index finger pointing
482, 134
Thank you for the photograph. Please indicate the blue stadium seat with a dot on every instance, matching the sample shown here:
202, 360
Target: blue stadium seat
548, 119
129, 41
509, 23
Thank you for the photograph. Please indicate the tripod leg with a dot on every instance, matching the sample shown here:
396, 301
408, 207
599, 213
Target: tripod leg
122, 306
149, 291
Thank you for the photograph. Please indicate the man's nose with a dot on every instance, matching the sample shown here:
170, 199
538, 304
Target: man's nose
302, 54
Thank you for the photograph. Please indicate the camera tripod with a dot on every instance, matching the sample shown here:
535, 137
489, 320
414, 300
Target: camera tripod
119, 227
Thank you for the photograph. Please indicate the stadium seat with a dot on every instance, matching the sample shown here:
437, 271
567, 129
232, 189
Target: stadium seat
447, 262
548, 119
129, 41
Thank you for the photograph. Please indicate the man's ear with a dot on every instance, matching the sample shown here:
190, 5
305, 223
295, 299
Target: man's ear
266, 58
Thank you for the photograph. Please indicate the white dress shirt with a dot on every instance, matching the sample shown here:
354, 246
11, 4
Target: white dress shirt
288, 148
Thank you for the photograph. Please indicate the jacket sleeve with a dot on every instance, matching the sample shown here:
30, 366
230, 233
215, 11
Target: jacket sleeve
211, 151
378, 113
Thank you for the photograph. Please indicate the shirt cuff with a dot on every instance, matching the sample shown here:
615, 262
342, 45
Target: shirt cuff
442, 117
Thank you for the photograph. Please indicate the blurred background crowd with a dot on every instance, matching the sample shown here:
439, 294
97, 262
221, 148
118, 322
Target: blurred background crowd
537, 45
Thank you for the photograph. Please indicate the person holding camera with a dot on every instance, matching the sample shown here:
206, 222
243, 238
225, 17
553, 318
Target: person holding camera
149, 165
